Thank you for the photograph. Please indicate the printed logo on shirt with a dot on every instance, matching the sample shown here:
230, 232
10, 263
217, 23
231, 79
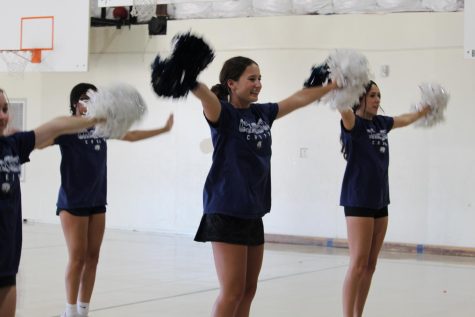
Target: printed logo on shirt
10, 164
9, 167
90, 138
255, 131
5, 187
378, 139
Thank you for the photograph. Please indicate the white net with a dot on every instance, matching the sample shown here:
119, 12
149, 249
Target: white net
16, 61
144, 10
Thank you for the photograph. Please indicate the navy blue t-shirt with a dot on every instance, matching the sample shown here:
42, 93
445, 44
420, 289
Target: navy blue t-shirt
365, 183
239, 181
83, 170
14, 151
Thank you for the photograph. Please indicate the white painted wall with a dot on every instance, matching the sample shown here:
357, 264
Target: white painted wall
157, 184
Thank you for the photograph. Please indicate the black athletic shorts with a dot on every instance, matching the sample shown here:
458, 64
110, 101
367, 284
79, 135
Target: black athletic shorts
229, 229
366, 212
83, 212
6, 281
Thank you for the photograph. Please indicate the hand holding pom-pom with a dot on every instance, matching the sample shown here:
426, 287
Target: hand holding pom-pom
350, 70
436, 98
176, 76
121, 105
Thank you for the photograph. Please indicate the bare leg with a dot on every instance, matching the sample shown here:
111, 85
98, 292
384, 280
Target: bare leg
7, 301
75, 233
255, 255
95, 235
230, 261
360, 234
379, 232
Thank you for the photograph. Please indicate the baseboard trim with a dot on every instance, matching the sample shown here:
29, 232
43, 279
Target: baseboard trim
387, 246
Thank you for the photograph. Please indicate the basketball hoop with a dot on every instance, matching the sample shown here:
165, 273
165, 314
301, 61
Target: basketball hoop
36, 36
144, 10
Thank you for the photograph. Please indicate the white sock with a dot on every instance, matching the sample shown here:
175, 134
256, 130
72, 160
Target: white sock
83, 308
71, 310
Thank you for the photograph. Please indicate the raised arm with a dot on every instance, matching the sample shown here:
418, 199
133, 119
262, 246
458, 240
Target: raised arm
137, 135
303, 98
408, 118
209, 101
47, 132
348, 118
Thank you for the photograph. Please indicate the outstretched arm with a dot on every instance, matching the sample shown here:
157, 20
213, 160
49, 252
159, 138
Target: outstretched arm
209, 101
408, 118
302, 98
137, 135
47, 132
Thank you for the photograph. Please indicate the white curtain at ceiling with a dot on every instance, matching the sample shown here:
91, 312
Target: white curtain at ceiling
400, 5
312, 6
441, 5
196, 9
272, 7
190, 10
231, 9
354, 6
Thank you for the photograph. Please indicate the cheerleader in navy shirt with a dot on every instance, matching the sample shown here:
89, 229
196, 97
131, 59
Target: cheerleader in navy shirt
15, 150
82, 201
237, 192
365, 190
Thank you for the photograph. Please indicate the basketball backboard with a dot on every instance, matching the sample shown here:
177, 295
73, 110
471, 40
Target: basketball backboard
469, 29
59, 32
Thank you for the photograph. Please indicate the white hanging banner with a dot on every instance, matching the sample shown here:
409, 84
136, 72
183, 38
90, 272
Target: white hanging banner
124, 3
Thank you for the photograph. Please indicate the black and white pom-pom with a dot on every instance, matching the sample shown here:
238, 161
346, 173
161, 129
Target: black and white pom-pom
318, 76
350, 70
121, 105
176, 76
436, 97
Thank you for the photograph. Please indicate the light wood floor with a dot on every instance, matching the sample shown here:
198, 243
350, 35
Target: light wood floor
150, 274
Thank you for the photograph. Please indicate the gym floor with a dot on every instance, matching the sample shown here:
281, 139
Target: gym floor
149, 274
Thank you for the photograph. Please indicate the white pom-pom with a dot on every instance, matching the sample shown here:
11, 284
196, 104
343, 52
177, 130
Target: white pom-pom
436, 97
350, 70
121, 105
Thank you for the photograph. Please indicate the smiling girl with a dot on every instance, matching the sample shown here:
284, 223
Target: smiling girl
237, 192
